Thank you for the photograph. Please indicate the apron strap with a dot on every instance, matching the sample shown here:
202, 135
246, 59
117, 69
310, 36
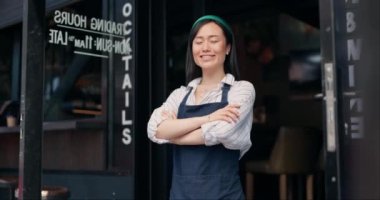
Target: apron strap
184, 100
226, 87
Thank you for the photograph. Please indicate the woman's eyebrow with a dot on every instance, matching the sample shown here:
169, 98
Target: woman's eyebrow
208, 36
214, 36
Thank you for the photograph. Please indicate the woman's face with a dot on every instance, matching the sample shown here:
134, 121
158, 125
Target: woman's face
210, 47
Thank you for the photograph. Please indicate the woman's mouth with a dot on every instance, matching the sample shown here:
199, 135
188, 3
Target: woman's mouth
206, 57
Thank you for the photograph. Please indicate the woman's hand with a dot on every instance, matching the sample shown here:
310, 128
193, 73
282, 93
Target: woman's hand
230, 114
167, 114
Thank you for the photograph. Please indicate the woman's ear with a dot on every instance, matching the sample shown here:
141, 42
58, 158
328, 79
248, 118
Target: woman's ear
228, 49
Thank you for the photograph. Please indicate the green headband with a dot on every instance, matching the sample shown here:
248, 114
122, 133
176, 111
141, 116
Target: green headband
214, 18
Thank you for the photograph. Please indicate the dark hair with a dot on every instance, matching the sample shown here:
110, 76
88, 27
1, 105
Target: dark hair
230, 64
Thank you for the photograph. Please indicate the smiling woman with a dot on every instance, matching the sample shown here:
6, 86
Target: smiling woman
210, 48
210, 120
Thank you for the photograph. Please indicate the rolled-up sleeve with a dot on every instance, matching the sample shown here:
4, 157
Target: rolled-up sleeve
171, 104
235, 135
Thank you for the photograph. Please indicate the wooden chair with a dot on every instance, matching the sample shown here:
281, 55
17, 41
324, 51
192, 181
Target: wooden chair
295, 152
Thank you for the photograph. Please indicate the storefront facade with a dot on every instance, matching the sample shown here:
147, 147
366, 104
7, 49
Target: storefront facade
349, 42
109, 63
90, 141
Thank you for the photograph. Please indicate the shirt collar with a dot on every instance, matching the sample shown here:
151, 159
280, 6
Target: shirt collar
228, 79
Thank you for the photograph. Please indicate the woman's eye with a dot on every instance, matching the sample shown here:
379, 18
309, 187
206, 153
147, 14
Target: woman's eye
198, 42
214, 41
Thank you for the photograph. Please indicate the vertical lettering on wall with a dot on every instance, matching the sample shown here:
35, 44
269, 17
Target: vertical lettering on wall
127, 12
354, 49
354, 113
123, 72
351, 25
356, 127
127, 83
351, 76
356, 104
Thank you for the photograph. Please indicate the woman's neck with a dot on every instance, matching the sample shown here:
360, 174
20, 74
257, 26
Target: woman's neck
212, 78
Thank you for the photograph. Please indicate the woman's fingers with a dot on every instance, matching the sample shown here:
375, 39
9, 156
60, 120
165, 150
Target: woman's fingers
164, 114
233, 116
173, 115
168, 114
233, 111
230, 113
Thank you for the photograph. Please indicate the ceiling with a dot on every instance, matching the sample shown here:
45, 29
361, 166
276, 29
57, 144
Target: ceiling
182, 13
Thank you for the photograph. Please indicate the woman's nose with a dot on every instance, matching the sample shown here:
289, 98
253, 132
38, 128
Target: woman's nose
205, 46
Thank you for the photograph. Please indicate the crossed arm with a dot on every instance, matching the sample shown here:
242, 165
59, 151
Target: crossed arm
188, 131
216, 128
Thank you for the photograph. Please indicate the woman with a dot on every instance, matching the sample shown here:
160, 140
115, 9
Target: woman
209, 121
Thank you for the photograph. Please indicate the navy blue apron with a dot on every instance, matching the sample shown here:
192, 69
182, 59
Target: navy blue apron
205, 172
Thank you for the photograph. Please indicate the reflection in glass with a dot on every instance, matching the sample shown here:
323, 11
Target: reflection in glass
72, 81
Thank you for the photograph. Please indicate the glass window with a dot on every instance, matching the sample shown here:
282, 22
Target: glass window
8, 106
73, 81
6, 38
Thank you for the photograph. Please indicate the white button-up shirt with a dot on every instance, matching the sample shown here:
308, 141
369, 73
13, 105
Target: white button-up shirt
234, 135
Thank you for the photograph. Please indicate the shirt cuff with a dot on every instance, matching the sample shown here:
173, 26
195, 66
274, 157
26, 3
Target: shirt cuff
153, 137
159, 141
153, 123
209, 138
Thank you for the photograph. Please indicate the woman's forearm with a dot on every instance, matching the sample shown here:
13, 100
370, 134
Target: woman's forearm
193, 138
174, 128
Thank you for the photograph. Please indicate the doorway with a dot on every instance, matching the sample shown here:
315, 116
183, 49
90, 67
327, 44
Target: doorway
278, 46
